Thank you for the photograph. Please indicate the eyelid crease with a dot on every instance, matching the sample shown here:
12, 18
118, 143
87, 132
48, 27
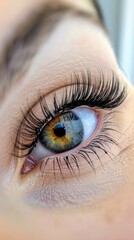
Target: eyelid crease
83, 90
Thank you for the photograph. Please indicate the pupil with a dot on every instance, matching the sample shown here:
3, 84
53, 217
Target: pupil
59, 130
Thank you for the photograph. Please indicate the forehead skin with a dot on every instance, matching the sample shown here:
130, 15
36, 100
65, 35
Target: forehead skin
25, 7
114, 218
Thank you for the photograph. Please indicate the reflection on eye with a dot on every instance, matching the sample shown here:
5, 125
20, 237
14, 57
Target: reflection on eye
70, 121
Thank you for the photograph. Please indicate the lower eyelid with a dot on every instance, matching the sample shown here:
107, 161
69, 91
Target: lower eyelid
83, 190
74, 185
89, 152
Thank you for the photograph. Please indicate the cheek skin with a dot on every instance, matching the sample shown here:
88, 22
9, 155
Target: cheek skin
71, 225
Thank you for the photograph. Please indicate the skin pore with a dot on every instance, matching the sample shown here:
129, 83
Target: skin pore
76, 42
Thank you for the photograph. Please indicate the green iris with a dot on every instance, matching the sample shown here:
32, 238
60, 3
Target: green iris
62, 133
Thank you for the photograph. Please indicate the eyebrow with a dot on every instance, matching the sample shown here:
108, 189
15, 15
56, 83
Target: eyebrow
99, 12
21, 49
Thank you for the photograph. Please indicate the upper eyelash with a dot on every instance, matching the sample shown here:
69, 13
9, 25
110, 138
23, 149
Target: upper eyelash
82, 91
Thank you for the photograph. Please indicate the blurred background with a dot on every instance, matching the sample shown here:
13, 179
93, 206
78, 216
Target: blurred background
119, 19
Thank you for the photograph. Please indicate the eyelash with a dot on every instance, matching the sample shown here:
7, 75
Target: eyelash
82, 91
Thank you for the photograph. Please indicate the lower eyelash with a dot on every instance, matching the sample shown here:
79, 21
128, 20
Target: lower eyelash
101, 143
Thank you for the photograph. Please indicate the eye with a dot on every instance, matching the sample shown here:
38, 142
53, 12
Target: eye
53, 131
65, 132
62, 135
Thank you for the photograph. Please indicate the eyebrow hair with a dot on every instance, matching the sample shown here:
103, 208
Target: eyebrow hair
99, 11
29, 36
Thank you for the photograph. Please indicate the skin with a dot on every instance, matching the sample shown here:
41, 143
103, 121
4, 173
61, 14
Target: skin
69, 47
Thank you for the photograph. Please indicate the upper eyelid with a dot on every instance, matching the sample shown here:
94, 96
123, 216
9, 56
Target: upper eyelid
76, 76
